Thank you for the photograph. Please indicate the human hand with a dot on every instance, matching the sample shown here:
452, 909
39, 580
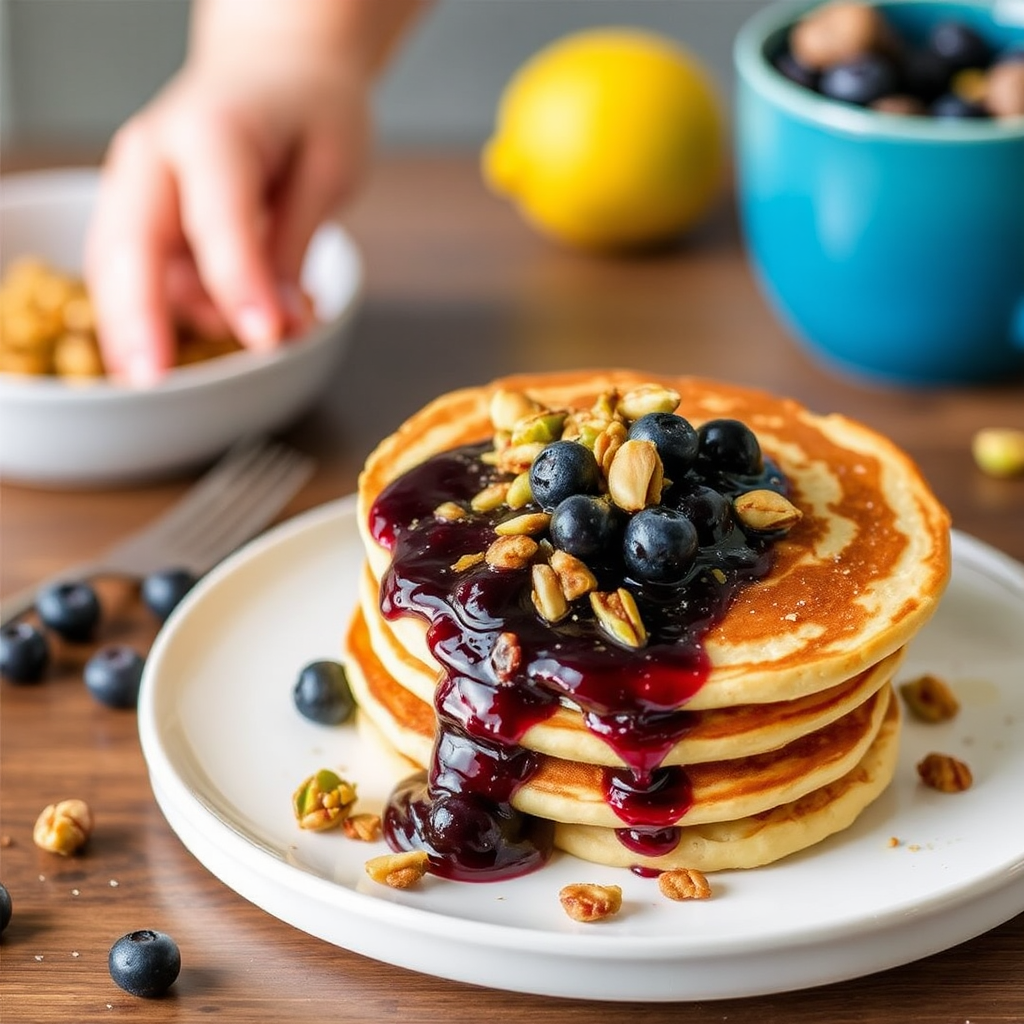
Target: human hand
210, 195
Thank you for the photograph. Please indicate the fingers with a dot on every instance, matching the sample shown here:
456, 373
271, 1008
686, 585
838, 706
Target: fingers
133, 229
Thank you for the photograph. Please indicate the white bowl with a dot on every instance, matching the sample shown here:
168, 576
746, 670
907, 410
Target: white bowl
59, 434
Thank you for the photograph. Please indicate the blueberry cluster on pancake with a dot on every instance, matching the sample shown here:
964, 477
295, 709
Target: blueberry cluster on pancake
651, 622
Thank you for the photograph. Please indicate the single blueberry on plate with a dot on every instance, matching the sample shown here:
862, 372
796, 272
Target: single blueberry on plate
162, 590
145, 963
586, 526
24, 653
322, 693
6, 908
673, 436
729, 446
113, 675
660, 545
71, 610
562, 469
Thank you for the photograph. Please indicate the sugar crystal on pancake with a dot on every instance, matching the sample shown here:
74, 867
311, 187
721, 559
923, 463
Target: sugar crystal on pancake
755, 573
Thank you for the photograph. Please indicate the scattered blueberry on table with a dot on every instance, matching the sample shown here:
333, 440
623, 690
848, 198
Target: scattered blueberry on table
145, 963
24, 653
162, 591
322, 693
71, 609
113, 675
6, 908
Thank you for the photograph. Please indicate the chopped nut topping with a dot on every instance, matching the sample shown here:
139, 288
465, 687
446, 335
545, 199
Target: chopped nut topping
519, 492
528, 523
398, 870
586, 901
323, 801
606, 405
450, 512
468, 561
945, 773
547, 594
506, 657
619, 616
519, 458
544, 427
509, 407
930, 699
512, 552
648, 398
636, 475
684, 884
766, 511
491, 497
63, 827
574, 577
364, 827
607, 443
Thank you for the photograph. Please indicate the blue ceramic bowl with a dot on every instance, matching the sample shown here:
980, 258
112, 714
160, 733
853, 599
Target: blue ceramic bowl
890, 246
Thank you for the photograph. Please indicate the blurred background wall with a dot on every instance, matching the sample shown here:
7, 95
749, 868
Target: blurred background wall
72, 70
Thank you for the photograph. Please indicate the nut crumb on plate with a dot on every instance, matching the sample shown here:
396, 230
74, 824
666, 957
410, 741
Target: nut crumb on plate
945, 773
587, 901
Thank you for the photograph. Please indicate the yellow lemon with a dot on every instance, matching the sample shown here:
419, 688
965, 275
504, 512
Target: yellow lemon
610, 138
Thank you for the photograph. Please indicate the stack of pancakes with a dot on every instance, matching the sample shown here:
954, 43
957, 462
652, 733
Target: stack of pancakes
794, 730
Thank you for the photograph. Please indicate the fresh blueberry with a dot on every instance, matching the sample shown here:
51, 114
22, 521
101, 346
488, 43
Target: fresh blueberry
145, 963
925, 74
673, 436
660, 545
586, 526
729, 446
562, 469
322, 693
959, 45
113, 675
953, 106
709, 510
24, 653
789, 67
161, 591
861, 80
6, 908
71, 610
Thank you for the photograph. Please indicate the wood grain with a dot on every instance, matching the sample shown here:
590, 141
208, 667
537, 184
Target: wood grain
458, 291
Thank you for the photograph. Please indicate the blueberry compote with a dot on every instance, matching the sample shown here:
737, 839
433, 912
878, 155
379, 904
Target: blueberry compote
460, 810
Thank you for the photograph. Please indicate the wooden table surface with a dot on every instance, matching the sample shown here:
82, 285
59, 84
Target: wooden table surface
458, 291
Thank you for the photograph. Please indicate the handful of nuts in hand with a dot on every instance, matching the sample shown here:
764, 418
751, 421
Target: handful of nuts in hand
47, 327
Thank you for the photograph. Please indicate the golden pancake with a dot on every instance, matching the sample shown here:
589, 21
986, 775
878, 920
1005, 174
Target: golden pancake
852, 581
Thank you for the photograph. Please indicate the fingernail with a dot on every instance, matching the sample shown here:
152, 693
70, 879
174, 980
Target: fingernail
256, 328
294, 304
140, 370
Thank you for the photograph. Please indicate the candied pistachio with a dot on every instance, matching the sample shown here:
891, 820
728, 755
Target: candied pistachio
544, 427
450, 512
63, 827
528, 523
636, 475
519, 492
398, 870
468, 561
607, 443
945, 773
509, 407
515, 551
323, 801
619, 617
999, 451
519, 457
506, 657
547, 594
766, 511
587, 901
574, 577
491, 497
930, 699
606, 405
364, 827
648, 398
684, 884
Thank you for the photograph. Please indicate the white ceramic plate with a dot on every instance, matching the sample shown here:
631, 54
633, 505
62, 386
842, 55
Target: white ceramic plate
61, 434
226, 748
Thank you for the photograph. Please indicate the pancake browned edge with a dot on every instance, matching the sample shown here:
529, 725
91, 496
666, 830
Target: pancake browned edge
850, 586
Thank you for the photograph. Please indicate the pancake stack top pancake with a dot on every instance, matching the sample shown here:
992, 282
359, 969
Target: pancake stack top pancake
648, 621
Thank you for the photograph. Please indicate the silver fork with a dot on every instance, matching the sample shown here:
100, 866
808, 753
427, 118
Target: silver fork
234, 500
